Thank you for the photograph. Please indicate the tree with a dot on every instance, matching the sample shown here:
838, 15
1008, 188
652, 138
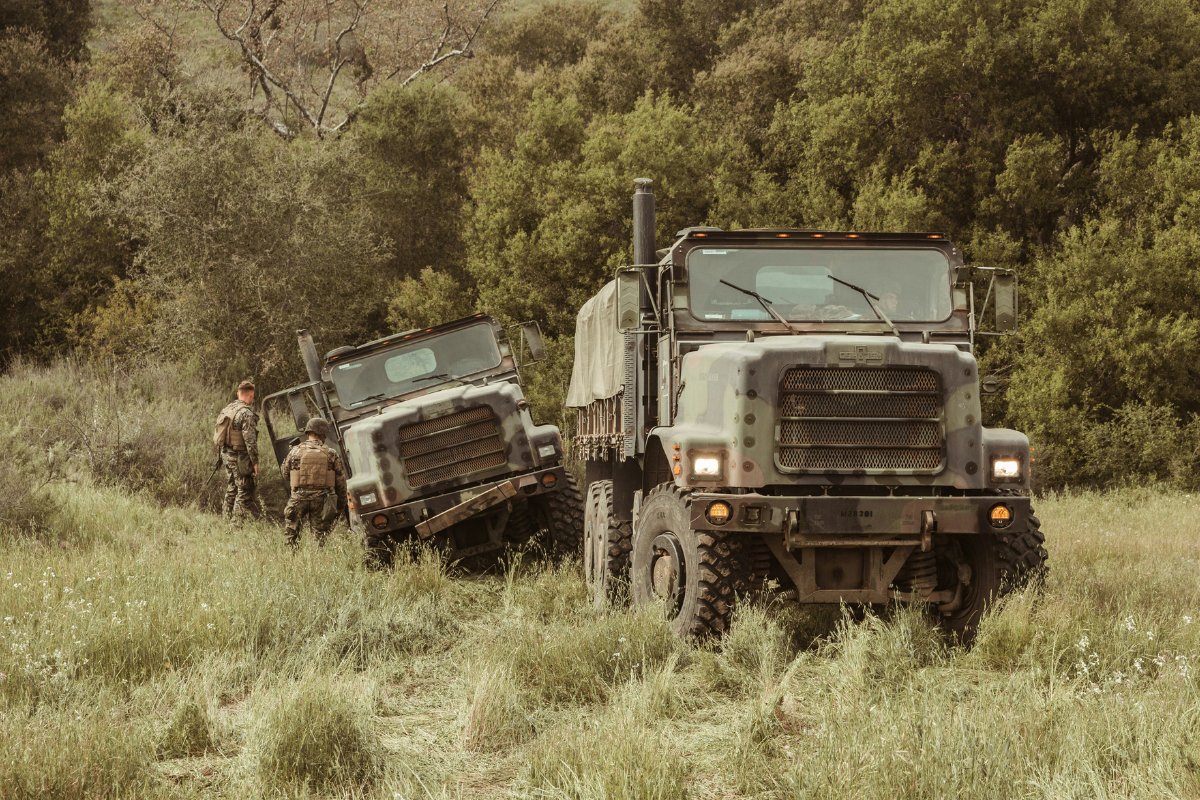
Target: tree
312, 63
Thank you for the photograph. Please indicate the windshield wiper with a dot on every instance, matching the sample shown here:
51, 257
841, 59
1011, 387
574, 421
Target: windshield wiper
366, 400
437, 377
766, 304
869, 297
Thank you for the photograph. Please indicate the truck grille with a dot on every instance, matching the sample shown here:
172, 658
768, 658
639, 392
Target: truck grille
452, 446
874, 419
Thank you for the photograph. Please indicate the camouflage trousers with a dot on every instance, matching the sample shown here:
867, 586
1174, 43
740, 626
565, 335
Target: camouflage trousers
307, 507
241, 491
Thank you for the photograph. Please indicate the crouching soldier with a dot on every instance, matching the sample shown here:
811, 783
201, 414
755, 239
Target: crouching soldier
318, 484
236, 435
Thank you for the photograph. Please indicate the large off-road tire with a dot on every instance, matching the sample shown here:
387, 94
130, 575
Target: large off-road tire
606, 545
699, 601
1000, 562
560, 515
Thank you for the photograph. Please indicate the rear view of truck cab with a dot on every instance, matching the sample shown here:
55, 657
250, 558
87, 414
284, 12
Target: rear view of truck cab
800, 406
438, 441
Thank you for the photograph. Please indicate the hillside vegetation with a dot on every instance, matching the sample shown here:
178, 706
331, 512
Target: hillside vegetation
161, 199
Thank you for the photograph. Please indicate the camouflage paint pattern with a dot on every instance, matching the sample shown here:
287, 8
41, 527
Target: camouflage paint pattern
729, 403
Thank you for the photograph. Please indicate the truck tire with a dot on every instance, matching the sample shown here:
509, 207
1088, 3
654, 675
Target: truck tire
380, 549
1000, 563
700, 602
560, 515
606, 544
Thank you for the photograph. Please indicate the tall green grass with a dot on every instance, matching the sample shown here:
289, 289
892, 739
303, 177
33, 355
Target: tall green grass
156, 650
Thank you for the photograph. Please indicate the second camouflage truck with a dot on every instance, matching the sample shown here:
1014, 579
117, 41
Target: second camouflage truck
437, 439
798, 406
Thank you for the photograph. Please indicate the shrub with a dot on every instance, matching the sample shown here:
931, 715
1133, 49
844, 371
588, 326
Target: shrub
317, 733
496, 716
189, 733
622, 754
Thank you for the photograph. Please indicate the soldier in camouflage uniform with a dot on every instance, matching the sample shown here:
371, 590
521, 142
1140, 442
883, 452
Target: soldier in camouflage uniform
239, 454
318, 484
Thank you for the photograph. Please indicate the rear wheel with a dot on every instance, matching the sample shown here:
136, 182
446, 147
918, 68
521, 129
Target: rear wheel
560, 514
694, 573
997, 564
606, 544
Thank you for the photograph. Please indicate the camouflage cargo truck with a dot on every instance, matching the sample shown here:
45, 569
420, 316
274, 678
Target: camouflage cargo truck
437, 440
802, 406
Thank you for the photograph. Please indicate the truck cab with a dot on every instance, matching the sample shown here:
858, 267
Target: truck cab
437, 440
803, 406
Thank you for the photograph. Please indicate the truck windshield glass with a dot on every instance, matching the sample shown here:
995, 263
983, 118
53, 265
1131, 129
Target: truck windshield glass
912, 285
419, 365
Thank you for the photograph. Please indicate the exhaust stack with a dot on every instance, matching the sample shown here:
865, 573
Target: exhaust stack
308, 350
643, 222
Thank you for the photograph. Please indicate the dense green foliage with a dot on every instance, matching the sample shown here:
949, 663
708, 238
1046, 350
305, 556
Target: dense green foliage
150, 212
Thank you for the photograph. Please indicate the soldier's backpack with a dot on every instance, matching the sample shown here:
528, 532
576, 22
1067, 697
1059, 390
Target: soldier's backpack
224, 434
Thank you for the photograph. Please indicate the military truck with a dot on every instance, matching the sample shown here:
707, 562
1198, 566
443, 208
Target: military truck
801, 406
437, 440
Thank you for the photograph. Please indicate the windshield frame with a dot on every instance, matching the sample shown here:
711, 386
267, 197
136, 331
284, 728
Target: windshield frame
720, 241
412, 386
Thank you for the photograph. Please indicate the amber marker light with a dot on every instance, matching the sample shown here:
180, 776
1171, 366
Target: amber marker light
934, 236
380, 521
549, 479
782, 235
718, 512
818, 236
851, 235
1000, 515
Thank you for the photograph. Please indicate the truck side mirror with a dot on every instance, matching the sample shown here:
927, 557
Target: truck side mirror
533, 338
628, 299
1006, 302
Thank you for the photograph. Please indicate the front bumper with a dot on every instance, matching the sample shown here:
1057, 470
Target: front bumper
407, 515
849, 521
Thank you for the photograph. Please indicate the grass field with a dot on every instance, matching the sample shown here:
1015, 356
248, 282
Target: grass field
153, 651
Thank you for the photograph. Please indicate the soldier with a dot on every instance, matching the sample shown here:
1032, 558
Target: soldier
237, 436
318, 484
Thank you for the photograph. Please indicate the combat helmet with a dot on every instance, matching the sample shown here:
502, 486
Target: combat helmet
318, 426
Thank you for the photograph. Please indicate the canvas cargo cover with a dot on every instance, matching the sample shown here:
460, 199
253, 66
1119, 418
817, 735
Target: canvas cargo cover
598, 371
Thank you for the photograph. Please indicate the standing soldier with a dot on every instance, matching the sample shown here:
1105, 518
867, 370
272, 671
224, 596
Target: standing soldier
236, 435
318, 484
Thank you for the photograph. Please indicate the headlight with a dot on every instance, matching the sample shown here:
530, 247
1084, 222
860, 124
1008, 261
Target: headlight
1006, 469
366, 499
706, 466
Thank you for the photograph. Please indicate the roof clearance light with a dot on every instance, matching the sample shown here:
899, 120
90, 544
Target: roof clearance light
782, 235
934, 236
851, 235
701, 235
818, 236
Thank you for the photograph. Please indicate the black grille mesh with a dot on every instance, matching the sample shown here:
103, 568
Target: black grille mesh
816, 459
452, 446
861, 434
878, 379
859, 405
859, 419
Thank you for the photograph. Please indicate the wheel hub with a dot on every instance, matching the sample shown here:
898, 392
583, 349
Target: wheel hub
668, 573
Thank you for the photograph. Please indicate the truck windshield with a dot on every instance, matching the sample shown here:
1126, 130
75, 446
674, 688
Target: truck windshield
418, 365
912, 285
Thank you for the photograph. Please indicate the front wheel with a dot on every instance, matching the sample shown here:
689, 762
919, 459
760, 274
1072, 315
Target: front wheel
560, 515
695, 574
997, 564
